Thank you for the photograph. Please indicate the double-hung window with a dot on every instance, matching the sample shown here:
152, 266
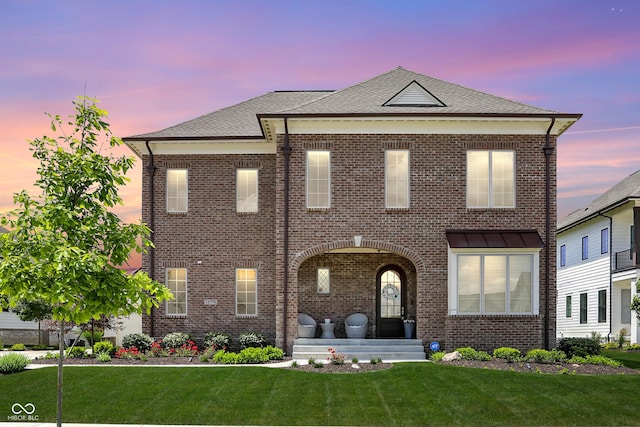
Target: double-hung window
602, 306
490, 179
396, 178
176, 281
247, 190
318, 179
177, 200
585, 247
604, 241
583, 308
246, 292
563, 255
495, 283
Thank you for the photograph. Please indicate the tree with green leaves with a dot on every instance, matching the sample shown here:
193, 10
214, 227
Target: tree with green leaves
64, 246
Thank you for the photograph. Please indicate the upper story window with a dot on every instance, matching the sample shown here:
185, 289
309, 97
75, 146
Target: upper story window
490, 179
563, 255
396, 178
247, 190
318, 179
177, 200
176, 281
585, 247
604, 241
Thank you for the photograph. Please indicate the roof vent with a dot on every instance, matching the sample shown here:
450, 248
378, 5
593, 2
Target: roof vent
414, 95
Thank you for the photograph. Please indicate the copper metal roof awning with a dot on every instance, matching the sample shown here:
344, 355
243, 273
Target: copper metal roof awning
494, 239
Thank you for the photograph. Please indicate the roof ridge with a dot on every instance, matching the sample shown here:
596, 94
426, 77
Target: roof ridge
344, 89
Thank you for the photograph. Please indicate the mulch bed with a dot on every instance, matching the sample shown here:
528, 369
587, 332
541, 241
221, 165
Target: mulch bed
543, 368
348, 367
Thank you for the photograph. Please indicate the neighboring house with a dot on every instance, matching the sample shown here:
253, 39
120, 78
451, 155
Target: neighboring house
598, 266
13, 330
403, 196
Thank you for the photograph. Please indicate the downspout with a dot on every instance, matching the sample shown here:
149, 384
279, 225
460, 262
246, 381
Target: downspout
610, 274
151, 168
286, 151
548, 151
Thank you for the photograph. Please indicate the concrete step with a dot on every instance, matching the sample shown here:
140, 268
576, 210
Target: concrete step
362, 349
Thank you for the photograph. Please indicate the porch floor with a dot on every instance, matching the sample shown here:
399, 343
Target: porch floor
363, 349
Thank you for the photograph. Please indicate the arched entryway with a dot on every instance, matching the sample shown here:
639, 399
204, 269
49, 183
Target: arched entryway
391, 301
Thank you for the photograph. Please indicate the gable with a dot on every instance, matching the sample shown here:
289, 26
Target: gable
414, 95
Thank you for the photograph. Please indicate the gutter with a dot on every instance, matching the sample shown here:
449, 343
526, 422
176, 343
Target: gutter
610, 243
548, 151
152, 251
286, 151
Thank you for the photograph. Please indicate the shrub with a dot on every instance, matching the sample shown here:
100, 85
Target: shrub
226, 357
103, 357
437, 356
76, 353
469, 353
92, 337
175, 340
142, 342
104, 347
507, 353
545, 356
576, 346
252, 355
622, 337
632, 347
217, 340
18, 347
595, 360
12, 362
252, 339
274, 353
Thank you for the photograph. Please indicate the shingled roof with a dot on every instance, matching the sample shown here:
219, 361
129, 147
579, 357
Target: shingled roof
627, 189
369, 98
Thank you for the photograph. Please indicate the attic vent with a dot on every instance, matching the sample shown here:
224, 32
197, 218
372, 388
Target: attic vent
414, 95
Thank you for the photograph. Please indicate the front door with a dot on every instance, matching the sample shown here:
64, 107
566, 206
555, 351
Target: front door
390, 302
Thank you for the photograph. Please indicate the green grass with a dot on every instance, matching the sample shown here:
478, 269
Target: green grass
408, 394
630, 359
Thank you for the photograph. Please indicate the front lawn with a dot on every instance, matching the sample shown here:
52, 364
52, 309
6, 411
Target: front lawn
407, 394
630, 359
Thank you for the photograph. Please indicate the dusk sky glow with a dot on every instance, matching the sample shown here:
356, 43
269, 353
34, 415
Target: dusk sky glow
153, 64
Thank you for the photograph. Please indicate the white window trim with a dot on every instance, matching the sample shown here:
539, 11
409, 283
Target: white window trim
386, 190
238, 170
236, 294
186, 293
491, 204
328, 206
453, 277
186, 190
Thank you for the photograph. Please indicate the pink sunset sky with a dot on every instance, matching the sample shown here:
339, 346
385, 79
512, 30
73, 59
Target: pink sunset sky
153, 64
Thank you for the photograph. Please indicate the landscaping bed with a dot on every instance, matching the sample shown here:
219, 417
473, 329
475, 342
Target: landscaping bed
544, 368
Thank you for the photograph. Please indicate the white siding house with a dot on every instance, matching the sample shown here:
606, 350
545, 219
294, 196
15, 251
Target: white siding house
597, 265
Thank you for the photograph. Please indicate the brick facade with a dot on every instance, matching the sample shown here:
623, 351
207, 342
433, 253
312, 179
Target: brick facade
211, 239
